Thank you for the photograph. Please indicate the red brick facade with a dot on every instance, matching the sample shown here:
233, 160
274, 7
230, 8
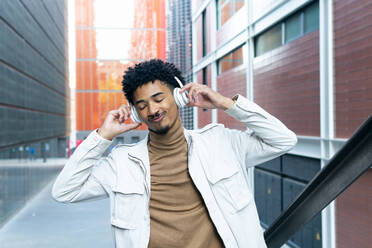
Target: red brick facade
353, 105
230, 83
354, 214
286, 84
353, 65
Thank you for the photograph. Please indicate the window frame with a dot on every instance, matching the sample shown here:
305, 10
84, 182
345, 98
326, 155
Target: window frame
283, 24
220, 7
204, 33
243, 46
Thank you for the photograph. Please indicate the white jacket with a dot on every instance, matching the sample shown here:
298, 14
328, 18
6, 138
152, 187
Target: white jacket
218, 161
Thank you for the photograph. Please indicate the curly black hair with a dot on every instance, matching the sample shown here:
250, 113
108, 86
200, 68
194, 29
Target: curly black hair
151, 70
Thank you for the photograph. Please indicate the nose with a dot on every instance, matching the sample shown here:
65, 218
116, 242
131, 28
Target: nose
152, 109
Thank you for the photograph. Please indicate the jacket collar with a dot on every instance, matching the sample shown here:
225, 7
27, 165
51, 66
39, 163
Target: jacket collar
140, 149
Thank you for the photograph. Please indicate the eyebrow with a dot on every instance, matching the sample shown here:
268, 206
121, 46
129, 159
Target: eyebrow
153, 96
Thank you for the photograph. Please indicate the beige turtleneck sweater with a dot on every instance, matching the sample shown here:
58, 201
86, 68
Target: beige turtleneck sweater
179, 217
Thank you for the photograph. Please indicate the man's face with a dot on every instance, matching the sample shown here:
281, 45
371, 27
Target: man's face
156, 106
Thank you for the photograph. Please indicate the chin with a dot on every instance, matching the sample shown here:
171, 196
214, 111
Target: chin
162, 130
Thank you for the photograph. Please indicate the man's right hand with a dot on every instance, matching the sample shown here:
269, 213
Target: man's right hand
114, 123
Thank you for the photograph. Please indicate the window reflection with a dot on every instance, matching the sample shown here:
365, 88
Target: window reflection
226, 9
233, 59
298, 24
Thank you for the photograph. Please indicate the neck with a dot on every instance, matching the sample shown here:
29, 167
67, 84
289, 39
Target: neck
174, 135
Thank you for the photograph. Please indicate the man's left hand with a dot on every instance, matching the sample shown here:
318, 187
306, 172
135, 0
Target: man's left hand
204, 97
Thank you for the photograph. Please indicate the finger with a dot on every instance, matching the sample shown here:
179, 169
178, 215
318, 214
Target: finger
126, 111
188, 86
122, 115
201, 91
192, 93
131, 126
198, 93
115, 114
195, 93
192, 104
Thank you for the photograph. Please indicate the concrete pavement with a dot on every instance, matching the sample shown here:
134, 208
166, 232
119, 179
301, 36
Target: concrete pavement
45, 223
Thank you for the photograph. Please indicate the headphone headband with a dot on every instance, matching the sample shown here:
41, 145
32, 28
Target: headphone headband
178, 81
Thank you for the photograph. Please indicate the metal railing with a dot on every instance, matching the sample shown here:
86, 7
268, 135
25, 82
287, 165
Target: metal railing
347, 165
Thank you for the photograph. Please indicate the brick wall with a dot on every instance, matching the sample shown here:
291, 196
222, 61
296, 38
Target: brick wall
354, 214
353, 104
353, 65
286, 84
230, 83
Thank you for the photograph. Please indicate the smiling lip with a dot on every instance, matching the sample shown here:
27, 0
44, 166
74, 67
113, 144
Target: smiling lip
159, 118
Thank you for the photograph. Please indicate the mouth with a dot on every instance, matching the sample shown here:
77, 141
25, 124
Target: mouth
158, 118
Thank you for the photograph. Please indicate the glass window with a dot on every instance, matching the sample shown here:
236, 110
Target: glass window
237, 57
269, 40
238, 4
222, 2
205, 81
226, 9
304, 21
312, 17
233, 59
204, 30
224, 64
293, 27
225, 13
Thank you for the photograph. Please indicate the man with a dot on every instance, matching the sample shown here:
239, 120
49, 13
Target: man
177, 187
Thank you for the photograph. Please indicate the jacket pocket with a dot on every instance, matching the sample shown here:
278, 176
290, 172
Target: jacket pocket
238, 190
229, 186
128, 204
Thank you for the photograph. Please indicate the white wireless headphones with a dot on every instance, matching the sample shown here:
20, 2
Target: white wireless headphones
181, 100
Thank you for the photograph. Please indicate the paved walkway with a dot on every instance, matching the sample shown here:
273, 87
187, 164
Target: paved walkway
45, 223
29, 162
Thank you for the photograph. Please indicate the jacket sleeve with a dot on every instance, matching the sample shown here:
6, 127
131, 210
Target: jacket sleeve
266, 137
86, 175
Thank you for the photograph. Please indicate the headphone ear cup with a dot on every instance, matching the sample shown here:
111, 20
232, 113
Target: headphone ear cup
134, 115
181, 98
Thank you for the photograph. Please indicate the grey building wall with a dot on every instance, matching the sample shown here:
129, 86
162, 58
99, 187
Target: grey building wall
33, 76
34, 97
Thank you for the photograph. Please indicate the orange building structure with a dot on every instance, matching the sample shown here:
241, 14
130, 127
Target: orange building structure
110, 37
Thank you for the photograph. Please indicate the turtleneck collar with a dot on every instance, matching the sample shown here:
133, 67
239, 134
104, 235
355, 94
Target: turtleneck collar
171, 139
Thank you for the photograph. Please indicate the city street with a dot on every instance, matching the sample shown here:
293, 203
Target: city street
45, 223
